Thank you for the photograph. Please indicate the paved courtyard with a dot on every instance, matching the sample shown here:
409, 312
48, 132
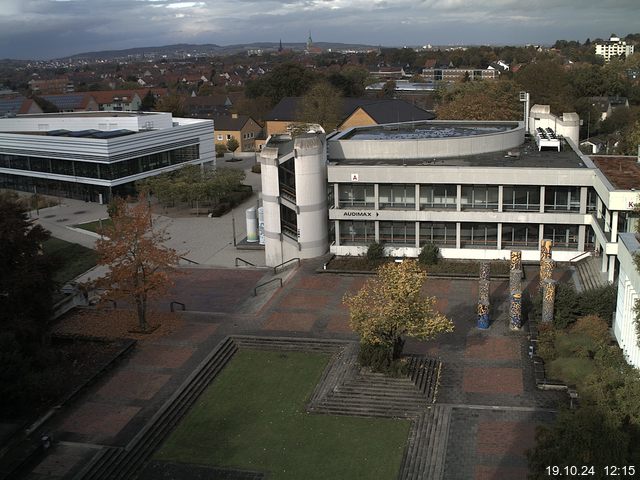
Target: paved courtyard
486, 379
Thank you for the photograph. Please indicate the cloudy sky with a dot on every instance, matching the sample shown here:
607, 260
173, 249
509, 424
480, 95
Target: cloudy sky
43, 29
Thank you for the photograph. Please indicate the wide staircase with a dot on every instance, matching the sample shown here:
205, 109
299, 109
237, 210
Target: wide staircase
589, 275
427, 447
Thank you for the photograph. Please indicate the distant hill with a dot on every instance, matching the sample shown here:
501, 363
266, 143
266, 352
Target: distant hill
182, 49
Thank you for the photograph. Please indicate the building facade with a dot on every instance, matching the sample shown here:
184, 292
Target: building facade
476, 189
613, 48
94, 155
624, 322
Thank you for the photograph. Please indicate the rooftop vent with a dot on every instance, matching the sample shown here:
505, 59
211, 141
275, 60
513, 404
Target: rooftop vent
546, 138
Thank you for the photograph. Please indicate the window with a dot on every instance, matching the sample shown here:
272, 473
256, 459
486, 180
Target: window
356, 195
474, 235
441, 234
521, 198
564, 237
397, 196
520, 235
438, 196
229, 137
480, 197
398, 233
289, 222
562, 199
592, 198
357, 233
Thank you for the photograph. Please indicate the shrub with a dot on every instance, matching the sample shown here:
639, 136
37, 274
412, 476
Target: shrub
379, 358
594, 327
547, 342
429, 254
220, 209
220, 150
375, 252
256, 168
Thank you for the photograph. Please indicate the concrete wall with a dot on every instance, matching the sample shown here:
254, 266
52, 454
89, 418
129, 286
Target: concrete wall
427, 147
568, 125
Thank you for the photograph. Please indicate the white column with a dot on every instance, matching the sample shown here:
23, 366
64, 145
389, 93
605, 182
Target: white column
500, 199
376, 200
542, 193
417, 194
499, 239
459, 199
598, 207
603, 267
458, 233
614, 226
337, 233
612, 267
583, 200
417, 234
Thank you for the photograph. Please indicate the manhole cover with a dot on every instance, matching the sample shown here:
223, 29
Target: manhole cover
62, 220
79, 212
49, 216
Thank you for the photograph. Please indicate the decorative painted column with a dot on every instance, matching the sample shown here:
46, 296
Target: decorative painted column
546, 270
516, 260
483, 304
515, 311
548, 300
515, 281
545, 249
485, 271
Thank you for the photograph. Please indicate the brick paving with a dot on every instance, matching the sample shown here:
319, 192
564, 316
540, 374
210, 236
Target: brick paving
486, 375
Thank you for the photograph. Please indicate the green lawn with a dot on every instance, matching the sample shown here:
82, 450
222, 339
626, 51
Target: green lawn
95, 226
69, 259
252, 417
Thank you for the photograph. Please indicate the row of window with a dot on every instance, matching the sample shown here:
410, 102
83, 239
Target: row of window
443, 234
480, 197
105, 171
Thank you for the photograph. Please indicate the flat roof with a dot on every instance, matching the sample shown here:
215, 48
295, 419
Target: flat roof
101, 113
415, 131
526, 155
622, 172
426, 130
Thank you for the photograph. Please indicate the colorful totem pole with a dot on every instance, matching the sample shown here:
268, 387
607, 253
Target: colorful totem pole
515, 290
548, 299
483, 295
546, 263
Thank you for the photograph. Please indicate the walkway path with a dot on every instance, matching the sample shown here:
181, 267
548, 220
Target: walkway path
488, 405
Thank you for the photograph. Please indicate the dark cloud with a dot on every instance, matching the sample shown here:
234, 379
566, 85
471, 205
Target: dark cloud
50, 28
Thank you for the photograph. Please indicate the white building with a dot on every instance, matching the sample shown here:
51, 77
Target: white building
613, 48
624, 327
93, 155
475, 189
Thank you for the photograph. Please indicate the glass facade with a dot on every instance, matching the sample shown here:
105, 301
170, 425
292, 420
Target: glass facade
357, 233
438, 196
562, 199
441, 234
289, 222
104, 171
287, 179
564, 237
397, 196
398, 233
521, 235
479, 197
478, 235
356, 195
521, 198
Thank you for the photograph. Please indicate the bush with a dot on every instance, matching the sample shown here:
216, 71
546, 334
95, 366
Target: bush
220, 150
379, 358
256, 168
594, 327
375, 252
220, 209
429, 254
571, 305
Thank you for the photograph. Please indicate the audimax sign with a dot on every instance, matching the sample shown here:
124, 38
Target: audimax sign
359, 214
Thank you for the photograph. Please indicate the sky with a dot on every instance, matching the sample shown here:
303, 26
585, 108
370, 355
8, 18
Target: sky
46, 29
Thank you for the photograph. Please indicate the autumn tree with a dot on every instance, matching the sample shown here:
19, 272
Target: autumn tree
322, 105
232, 144
139, 263
173, 103
480, 100
391, 306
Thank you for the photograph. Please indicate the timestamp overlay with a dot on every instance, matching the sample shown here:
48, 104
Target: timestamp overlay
573, 471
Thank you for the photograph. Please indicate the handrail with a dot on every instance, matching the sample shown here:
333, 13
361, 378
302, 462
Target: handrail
177, 303
583, 254
275, 269
190, 261
255, 290
244, 261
